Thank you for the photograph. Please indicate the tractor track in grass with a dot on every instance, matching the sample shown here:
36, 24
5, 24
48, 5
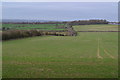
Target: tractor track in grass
106, 51
98, 50
108, 54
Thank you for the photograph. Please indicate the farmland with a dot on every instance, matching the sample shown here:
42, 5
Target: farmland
100, 27
88, 55
15, 30
33, 26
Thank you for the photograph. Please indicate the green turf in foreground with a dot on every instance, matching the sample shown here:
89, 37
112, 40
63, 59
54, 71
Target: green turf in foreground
62, 57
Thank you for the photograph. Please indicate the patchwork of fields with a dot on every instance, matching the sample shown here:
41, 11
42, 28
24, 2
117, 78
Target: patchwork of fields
88, 55
33, 26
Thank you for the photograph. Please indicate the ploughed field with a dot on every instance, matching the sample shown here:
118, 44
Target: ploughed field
87, 55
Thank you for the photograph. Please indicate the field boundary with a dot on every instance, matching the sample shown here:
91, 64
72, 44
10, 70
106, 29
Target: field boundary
98, 31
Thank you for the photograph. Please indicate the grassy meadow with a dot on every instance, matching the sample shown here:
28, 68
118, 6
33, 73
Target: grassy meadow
100, 27
33, 26
88, 55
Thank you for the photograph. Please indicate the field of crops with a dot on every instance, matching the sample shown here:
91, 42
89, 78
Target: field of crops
33, 26
88, 55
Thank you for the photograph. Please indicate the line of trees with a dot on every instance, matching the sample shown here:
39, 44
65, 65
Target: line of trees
88, 22
33, 22
14, 34
77, 22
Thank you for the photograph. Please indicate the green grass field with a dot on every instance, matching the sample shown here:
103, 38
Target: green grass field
32, 26
100, 27
88, 55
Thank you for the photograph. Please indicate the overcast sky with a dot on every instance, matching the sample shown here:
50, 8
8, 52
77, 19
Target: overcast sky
60, 0
60, 10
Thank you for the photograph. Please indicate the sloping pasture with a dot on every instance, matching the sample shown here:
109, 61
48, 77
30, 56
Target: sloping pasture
88, 55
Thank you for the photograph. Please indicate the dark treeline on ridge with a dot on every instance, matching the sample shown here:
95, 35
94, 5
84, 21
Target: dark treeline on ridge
76, 22
88, 22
